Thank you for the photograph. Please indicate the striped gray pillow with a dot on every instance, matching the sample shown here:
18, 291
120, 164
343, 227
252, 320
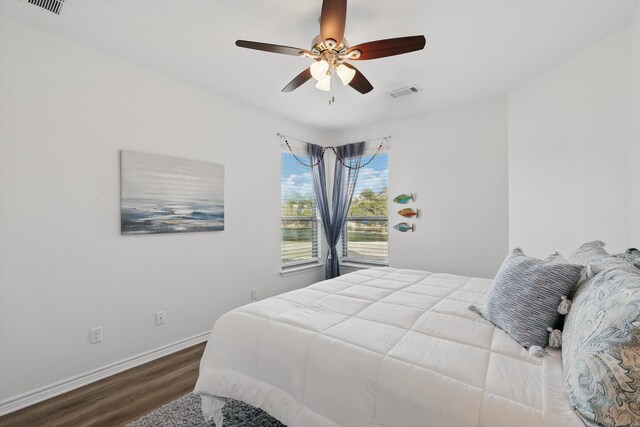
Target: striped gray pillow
523, 299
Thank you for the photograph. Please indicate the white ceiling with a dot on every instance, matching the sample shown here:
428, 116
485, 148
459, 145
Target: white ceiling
475, 48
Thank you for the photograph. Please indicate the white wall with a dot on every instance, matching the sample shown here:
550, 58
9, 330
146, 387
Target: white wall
455, 161
568, 152
65, 113
634, 157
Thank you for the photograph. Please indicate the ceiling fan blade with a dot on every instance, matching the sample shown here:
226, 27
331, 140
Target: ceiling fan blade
268, 47
388, 47
298, 81
333, 20
359, 81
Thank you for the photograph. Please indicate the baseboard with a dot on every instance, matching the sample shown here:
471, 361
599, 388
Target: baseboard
36, 396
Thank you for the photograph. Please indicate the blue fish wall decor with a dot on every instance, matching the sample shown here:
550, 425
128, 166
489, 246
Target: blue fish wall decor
404, 199
404, 227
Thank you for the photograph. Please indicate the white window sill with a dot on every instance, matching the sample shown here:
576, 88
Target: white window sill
360, 265
298, 269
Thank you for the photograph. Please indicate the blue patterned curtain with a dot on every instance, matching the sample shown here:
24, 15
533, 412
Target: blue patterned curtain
344, 182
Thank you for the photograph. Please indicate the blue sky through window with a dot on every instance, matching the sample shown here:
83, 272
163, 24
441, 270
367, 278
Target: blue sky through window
374, 176
295, 179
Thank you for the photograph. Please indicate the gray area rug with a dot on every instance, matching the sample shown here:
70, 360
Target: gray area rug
186, 412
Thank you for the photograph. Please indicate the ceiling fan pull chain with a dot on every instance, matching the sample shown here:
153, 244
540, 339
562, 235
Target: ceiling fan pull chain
332, 100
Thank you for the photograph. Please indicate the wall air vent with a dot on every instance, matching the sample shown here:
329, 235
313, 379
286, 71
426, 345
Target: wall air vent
399, 93
50, 5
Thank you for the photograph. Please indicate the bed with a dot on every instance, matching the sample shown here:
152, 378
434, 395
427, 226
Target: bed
379, 348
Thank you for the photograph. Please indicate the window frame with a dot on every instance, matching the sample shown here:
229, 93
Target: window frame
344, 244
316, 241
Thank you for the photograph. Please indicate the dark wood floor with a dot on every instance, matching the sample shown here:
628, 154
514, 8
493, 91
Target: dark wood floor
119, 399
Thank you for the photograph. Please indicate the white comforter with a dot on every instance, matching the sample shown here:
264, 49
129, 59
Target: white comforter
381, 347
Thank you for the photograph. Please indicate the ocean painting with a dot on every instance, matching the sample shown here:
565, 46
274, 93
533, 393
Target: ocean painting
161, 194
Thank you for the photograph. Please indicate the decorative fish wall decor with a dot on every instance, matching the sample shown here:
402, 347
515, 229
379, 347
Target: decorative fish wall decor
408, 213
403, 198
404, 227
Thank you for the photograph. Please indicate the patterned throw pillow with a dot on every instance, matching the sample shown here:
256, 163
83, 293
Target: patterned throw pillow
589, 252
523, 299
614, 261
601, 347
631, 255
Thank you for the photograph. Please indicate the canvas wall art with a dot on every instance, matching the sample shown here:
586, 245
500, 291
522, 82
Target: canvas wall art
161, 194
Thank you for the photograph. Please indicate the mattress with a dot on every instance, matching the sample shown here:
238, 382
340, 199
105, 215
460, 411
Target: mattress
381, 347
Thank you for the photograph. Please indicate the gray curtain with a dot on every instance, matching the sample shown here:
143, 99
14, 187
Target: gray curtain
344, 183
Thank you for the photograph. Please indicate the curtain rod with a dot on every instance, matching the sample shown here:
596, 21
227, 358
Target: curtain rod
388, 137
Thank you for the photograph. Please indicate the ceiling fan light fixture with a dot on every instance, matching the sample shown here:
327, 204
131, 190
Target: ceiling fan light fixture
345, 73
319, 69
324, 83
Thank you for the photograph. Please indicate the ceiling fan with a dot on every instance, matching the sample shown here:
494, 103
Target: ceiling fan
331, 50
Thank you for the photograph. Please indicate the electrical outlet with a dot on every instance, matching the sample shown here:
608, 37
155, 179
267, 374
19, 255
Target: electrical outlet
160, 317
95, 335
254, 293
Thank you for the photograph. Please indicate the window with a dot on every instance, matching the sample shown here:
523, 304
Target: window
300, 242
366, 235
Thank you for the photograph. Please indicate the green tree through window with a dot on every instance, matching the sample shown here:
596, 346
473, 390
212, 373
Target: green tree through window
369, 203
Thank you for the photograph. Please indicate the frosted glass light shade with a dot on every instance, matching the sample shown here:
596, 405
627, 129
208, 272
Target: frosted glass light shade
324, 83
319, 69
345, 73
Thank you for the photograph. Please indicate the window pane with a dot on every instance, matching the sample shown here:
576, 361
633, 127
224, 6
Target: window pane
366, 232
366, 240
299, 239
299, 220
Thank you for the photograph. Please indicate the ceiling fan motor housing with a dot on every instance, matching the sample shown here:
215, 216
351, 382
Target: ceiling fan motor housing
329, 50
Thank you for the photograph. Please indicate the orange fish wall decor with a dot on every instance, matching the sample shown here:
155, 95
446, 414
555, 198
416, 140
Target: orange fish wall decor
410, 213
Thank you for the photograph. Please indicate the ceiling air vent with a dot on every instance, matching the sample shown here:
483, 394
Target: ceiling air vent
399, 93
50, 5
